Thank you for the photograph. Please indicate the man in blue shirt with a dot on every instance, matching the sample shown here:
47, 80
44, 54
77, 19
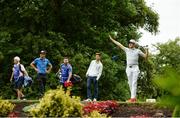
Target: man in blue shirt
66, 71
43, 67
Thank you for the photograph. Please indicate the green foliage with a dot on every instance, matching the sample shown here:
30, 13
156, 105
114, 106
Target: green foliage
5, 107
169, 55
56, 103
169, 81
176, 112
146, 87
96, 114
76, 29
113, 78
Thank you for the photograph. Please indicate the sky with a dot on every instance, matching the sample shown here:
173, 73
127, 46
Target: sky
169, 22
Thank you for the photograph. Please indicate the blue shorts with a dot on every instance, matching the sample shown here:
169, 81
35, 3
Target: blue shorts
19, 83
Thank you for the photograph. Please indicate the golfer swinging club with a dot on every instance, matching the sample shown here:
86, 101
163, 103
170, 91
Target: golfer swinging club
132, 69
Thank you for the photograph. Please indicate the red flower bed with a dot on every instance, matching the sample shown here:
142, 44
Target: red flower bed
107, 107
14, 115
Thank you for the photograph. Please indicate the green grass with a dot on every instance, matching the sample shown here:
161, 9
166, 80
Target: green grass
24, 101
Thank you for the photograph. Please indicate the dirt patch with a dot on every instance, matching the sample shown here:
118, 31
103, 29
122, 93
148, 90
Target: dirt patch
18, 110
141, 110
19, 105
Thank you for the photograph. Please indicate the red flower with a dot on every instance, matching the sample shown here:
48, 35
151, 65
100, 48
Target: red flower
67, 84
107, 107
14, 115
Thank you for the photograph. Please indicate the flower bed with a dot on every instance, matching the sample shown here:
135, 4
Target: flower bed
135, 110
107, 107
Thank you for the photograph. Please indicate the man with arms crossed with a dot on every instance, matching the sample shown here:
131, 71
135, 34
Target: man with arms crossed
132, 69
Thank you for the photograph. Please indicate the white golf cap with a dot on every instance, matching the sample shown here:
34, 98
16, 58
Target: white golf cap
132, 41
17, 58
43, 52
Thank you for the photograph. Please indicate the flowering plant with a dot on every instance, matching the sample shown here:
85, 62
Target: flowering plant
13, 115
67, 84
107, 107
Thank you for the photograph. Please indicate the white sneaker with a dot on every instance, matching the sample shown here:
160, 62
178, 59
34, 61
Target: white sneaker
88, 100
94, 100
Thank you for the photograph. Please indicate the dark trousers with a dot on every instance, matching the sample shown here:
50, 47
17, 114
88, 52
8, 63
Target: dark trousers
19, 82
95, 83
41, 78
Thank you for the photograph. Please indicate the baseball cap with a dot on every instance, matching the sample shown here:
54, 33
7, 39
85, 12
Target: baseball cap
42, 52
132, 41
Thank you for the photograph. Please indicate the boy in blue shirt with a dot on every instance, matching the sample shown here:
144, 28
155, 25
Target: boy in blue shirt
66, 71
43, 67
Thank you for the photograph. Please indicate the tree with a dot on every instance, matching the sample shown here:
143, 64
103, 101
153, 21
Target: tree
76, 29
168, 56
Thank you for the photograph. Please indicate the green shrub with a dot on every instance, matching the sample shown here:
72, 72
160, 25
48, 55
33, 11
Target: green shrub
176, 112
96, 114
5, 107
56, 103
169, 81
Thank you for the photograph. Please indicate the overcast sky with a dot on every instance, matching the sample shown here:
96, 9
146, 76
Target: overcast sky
169, 22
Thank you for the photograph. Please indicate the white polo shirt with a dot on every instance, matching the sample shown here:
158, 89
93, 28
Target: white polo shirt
132, 55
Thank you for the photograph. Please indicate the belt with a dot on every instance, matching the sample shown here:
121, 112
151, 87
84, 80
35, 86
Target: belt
130, 66
41, 73
93, 76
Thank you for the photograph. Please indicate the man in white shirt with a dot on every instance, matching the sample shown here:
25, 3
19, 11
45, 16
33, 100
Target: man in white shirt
93, 74
132, 69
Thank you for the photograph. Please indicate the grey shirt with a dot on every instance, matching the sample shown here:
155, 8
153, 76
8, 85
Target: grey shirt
132, 55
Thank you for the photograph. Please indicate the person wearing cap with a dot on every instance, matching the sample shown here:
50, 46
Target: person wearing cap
17, 76
93, 74
132, 68
43, 67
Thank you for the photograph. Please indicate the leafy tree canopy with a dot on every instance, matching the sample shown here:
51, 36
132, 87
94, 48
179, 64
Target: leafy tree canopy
169, 55
74, 28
